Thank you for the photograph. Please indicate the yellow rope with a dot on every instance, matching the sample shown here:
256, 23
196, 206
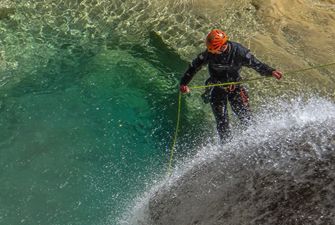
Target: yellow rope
228, 83
223, 84
261, 78
310, 68
175, 134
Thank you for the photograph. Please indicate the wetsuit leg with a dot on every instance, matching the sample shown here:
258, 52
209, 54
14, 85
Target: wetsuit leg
239, 101
219, 102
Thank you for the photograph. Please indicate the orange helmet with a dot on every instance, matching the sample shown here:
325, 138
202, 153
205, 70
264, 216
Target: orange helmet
215, 40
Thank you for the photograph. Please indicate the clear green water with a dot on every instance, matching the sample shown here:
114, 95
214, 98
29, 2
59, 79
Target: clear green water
86, 115
82, 136
88, 103
77, 145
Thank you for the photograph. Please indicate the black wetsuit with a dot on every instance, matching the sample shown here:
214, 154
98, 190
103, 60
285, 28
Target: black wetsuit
225, 67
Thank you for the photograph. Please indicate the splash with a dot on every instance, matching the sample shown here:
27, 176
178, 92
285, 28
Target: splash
278, 171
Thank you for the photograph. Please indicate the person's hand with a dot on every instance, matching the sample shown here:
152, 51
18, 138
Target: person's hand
184, 89
277, 74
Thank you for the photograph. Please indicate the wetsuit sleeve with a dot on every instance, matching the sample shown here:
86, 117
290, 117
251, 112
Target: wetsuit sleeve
249, 60
193, 68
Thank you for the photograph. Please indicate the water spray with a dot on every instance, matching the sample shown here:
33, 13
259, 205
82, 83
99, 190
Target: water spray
222, 85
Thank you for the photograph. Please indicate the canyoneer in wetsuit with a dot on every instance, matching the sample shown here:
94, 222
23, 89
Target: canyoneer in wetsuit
225, 60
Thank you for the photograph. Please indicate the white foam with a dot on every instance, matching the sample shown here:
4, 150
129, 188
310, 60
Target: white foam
270, 123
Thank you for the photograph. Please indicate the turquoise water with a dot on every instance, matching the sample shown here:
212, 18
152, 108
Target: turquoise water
77, 147
82, 139
88, 104
86, 119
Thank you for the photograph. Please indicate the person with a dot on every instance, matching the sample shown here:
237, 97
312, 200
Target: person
225, 59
